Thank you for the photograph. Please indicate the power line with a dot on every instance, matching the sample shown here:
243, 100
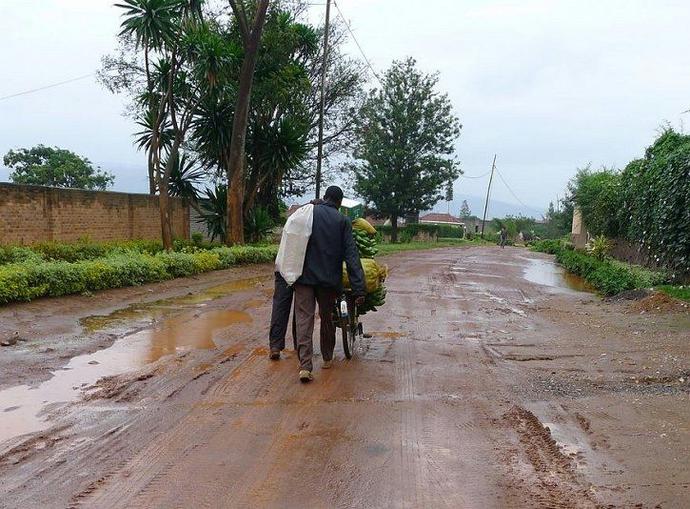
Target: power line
33, 90
340, 13
514, 195
474, 176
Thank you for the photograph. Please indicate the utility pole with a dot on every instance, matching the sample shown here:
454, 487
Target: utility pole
319, 153
488, 190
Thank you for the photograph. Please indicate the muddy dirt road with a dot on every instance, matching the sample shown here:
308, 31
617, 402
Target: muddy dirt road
487, 382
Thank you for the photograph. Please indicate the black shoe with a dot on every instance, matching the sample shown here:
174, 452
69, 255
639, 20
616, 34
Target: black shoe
274, 355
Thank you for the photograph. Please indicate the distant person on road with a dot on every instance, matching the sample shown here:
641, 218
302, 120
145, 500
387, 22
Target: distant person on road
331, 243
503, 236
280, 312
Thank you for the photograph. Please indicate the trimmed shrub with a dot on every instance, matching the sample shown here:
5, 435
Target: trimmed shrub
14, 284
252, 254
122, 267
607, 276
18, 254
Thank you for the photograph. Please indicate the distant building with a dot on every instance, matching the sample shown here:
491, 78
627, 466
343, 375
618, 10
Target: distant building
438, 218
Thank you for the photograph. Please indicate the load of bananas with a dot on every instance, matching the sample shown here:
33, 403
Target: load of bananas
374, 274
365, 244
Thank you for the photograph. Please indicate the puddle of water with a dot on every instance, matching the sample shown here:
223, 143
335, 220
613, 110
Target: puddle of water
164, 308
547, 273
21, 406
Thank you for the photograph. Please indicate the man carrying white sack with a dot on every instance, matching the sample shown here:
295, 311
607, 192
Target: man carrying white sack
316, 243
282, 291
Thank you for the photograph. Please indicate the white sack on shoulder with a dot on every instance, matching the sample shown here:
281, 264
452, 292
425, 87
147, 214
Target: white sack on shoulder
293, 244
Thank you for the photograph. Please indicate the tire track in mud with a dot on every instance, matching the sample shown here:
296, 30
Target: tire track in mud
556, 485
409, 445
140, 476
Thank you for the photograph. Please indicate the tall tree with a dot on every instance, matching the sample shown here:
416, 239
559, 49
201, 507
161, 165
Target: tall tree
406, 137
176, 58
55, 167
250, 28
465, 210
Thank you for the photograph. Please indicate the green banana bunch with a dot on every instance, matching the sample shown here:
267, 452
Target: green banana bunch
366, 245
373, 300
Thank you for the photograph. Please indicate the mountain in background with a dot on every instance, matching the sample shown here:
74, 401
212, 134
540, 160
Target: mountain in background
496, 208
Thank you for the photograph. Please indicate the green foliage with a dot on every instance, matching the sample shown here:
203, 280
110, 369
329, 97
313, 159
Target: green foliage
38, 277
214, 207
647, 203
449, 231
608, 276
599, 247
656, 201
18, 254
514, 225
55, 167
406, 137
197, 238
412, 230
559, 220
186, 174
406, 236
550, 246
258, 225
598, 195
248, 254
465, 211
681, 292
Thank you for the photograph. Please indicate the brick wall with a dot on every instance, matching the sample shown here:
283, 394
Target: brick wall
30, 214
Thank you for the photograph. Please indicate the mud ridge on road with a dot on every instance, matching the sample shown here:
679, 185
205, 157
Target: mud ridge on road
557, 483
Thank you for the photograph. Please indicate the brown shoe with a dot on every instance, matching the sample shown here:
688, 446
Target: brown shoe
327, 364
274, 355
305, 376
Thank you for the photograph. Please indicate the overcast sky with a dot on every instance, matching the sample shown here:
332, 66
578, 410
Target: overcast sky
548, 85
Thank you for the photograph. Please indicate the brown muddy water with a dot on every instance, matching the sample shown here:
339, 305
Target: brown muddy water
547, 273
179, 325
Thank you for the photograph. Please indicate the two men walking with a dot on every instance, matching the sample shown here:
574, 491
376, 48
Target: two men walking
331, 243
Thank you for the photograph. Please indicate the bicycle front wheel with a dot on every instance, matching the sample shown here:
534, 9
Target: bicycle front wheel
348, 340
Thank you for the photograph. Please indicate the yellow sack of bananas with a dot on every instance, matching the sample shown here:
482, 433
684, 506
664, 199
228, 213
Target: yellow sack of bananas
374, 274
364, 225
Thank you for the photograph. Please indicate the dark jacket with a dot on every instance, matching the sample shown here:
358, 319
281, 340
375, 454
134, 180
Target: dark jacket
331, 243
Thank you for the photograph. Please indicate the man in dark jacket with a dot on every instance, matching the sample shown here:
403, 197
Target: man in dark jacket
331, 243
280, 312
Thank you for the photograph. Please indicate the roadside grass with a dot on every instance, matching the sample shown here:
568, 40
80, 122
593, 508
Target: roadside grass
607, 276
388, 248
679, 292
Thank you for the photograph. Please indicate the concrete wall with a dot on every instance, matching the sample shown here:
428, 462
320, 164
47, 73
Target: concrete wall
30, 214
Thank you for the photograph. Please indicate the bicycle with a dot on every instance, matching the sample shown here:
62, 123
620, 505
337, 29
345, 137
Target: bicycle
345, 318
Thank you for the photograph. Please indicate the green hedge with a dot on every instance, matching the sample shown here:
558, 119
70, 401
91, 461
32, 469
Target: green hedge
411, 230
30, 279
608, 276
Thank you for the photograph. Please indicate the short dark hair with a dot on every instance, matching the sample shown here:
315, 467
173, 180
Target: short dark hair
334, 194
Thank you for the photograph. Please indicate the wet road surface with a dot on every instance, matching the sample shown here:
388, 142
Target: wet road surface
489, 381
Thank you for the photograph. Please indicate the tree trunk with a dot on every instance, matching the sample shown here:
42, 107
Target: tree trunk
235, 233
166, 219
394, 228
152, 180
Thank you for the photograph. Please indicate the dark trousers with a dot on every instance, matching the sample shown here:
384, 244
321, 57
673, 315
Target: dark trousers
306, 298
280, 313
